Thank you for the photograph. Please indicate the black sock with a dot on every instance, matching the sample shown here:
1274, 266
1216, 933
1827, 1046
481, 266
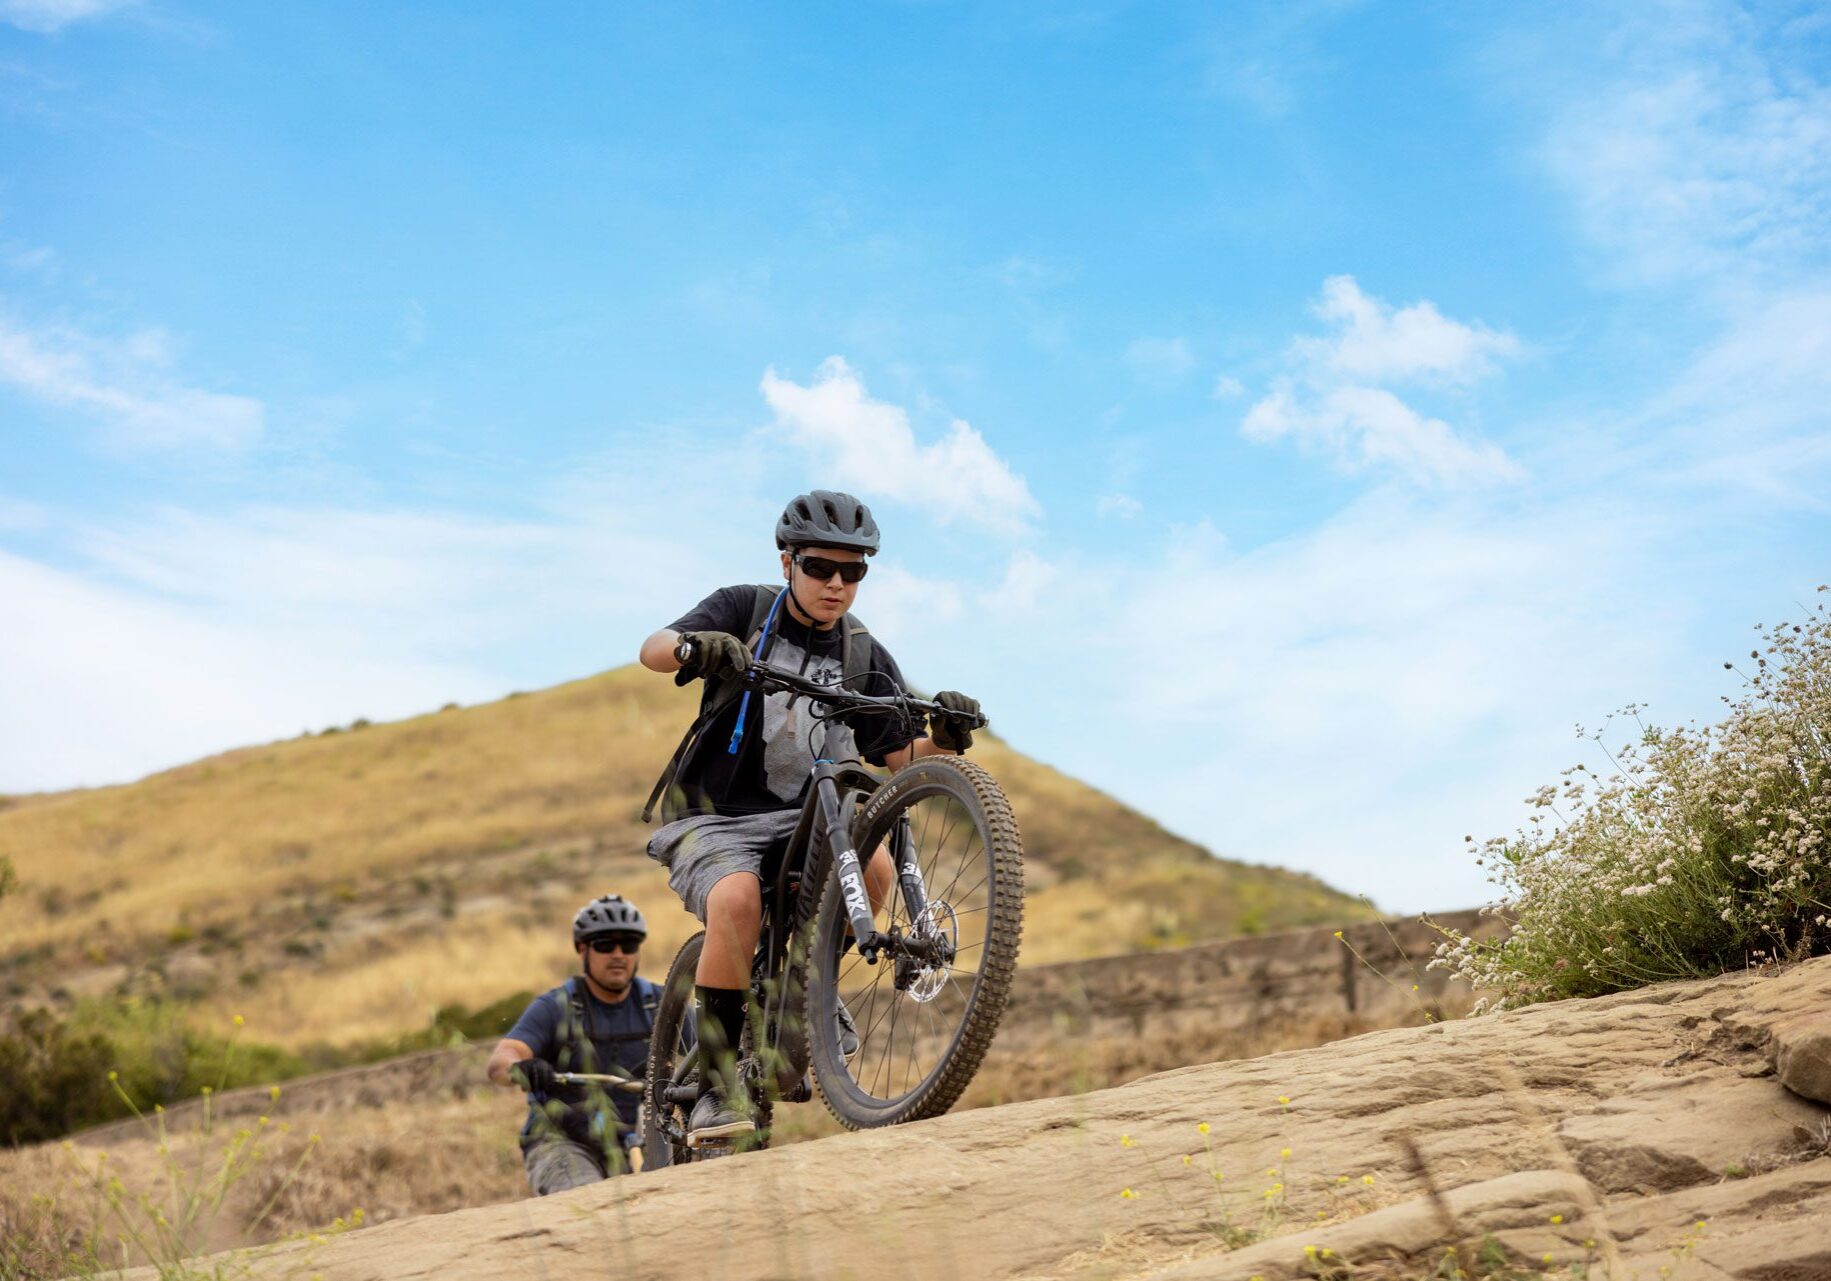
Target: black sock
721, 1028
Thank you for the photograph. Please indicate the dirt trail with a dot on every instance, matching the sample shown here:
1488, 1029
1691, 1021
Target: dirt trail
1623, 1122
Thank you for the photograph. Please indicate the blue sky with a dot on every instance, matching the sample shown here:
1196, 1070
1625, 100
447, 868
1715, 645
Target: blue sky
1292, 418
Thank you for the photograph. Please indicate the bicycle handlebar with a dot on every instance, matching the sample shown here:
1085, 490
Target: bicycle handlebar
763, 677
599, 1078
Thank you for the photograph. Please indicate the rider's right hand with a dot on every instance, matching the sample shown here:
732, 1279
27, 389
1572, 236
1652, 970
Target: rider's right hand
716, 654
534, 1075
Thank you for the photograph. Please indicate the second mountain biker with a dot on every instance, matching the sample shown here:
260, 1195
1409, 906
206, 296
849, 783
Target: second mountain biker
734, 788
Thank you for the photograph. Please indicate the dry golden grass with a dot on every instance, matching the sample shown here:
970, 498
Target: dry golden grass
340, 887
427, 1157
375, 993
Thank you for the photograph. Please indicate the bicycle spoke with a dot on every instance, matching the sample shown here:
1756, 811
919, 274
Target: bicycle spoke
949, 894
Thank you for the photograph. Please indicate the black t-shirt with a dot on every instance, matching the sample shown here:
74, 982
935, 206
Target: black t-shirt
781, 740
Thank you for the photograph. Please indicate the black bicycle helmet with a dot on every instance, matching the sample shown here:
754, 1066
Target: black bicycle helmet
827, 518
611, 914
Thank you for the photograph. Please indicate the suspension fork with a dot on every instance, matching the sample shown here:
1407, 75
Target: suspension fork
909, 872
846, 866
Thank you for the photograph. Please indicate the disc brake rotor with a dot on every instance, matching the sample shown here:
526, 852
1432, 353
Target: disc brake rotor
937, 921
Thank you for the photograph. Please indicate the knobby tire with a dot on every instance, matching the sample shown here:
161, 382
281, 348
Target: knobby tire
874, 1100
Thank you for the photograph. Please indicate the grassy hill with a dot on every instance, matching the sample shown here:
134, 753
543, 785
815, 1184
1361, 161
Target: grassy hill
342, 886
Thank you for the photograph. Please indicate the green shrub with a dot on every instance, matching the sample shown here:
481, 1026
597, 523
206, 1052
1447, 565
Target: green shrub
62, 1074
57, 1079
494, 1019
1705, 850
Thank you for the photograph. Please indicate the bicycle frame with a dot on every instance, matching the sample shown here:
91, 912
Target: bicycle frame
791, 897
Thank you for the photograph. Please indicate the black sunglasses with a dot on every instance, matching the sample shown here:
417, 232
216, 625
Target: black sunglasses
819, 568
627, 943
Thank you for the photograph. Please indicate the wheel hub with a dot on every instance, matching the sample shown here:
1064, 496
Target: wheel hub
923, 980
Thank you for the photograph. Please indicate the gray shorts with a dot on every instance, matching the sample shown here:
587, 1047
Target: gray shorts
703, 850
558, 1164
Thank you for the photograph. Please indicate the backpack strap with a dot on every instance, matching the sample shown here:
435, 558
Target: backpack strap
648, 996
574, 1031
855, 653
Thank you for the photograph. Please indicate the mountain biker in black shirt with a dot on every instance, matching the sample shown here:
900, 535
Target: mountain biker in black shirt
735, 788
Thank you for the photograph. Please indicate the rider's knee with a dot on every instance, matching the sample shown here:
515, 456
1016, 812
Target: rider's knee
737, 900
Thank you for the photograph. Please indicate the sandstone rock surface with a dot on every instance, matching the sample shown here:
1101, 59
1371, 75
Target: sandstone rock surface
1661, 1128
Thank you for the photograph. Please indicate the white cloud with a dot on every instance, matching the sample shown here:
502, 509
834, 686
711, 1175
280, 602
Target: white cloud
162, 637
1365, 427
1226, 387
1159, 362
128, 386
898, 604
1124, 506
1331, 400
1354, 698
1695, 138
52, 15
19, 517
1747, 417
869, 446
109, 683
1027, 577
1377, 343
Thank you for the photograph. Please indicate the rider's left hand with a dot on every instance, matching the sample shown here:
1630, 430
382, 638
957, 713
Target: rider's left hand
953, 730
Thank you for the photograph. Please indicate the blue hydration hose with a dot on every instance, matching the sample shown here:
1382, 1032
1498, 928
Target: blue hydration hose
743, 708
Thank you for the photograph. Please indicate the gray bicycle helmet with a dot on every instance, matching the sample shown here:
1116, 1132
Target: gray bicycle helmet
611, 914
827, 518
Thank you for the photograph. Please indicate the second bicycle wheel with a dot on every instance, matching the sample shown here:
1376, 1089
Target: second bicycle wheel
921, 1026
673, 1063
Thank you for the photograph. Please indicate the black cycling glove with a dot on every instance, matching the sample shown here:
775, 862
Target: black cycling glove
716, 654
953, 729
534, 1075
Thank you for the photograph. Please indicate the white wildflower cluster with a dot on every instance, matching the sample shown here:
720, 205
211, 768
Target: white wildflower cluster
1704, 850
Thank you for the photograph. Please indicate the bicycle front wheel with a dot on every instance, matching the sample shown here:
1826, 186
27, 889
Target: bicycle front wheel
921, 1022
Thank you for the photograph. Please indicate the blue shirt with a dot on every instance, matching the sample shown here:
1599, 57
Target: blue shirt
612, 1034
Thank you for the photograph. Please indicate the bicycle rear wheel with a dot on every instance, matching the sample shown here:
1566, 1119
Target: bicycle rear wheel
673, 1062
922, 1026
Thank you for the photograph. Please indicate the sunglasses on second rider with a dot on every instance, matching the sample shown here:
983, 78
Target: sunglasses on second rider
820, 569
625, 943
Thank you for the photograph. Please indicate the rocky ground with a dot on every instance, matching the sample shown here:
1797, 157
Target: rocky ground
1680, 1131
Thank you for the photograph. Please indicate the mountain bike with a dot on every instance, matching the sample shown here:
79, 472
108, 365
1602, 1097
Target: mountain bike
920, 973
